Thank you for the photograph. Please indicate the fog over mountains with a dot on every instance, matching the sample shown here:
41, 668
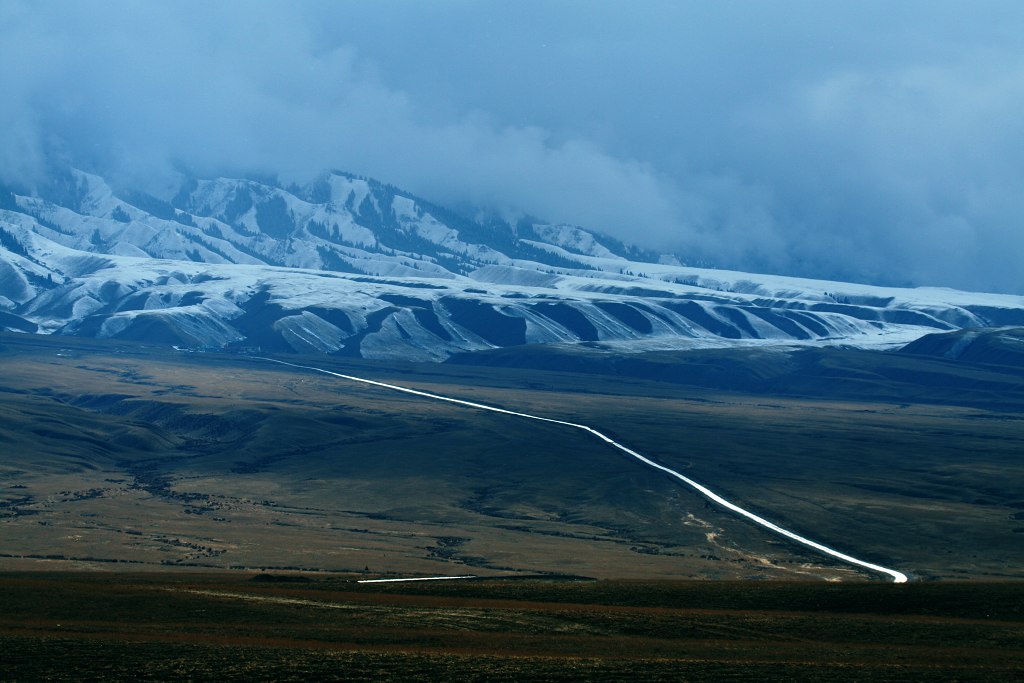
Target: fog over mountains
352, 266
866, 142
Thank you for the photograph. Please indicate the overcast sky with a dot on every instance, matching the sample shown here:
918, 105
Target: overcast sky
872, 141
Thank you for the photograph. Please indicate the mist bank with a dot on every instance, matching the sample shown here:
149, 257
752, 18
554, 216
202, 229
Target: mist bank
870, 144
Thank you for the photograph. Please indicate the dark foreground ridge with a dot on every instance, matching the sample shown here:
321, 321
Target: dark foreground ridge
228, 627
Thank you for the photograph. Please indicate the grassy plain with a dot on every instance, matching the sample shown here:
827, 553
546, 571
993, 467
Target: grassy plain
232, 626
123, 456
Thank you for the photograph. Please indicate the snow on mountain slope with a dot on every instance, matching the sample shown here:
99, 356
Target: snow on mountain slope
572, 239
351, 266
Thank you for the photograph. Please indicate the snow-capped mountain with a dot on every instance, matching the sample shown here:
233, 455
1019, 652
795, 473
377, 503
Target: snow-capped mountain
351, 266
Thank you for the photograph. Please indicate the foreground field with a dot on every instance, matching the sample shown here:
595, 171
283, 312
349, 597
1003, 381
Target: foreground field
133, 457
234, 626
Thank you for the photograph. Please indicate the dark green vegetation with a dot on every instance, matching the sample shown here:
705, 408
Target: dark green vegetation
980, 368
132, 457
229, 627
1001, 346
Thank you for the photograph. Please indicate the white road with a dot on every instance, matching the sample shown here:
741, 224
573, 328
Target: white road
897, 577
418, 578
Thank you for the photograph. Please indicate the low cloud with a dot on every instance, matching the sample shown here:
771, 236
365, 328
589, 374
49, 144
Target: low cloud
762, 140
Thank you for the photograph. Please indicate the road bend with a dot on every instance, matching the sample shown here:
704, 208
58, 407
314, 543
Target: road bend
897, 577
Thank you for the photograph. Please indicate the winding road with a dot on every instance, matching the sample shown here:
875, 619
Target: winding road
897, 577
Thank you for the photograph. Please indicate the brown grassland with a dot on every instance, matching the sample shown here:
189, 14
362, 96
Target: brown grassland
127, 456
141, 490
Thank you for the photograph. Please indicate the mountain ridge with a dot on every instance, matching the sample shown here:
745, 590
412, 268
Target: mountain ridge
352, 266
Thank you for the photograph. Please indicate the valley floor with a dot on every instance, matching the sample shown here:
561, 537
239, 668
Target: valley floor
131, 457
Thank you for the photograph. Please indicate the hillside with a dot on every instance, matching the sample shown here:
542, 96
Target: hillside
353, 267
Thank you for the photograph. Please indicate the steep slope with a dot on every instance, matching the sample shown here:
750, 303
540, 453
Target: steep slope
354, 267
339, 223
